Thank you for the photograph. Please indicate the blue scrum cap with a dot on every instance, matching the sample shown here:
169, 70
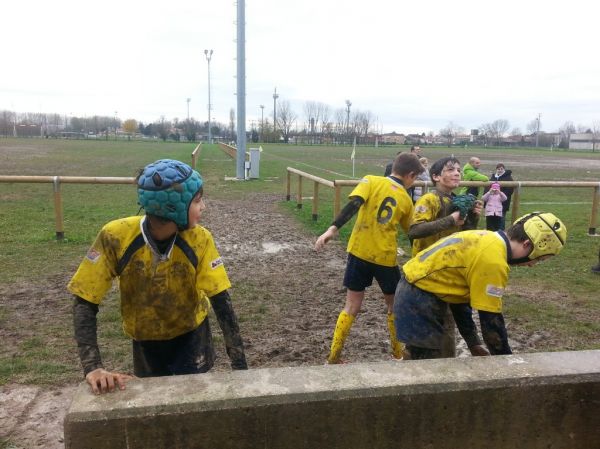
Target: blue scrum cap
166, 188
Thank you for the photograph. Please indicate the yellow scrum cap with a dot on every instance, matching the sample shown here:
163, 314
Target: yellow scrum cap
547, 233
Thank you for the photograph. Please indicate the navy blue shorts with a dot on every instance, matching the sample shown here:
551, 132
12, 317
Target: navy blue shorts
360, 273
190, 353
419, 316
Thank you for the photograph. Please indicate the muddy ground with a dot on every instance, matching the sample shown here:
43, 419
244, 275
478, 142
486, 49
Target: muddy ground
287, 297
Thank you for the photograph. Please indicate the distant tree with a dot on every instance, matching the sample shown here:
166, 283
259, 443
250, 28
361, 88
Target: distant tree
130, 126
595, 134
362, 122
285, 119
516, 132
565, 132
162, 128
497, 129
339, 123
532, 126
450, 132
325, 119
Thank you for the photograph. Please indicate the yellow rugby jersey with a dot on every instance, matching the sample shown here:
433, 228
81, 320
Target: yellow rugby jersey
468, 266
386, 206
427, 209
161, 297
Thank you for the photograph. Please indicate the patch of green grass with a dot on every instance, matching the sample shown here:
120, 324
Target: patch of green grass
7, 444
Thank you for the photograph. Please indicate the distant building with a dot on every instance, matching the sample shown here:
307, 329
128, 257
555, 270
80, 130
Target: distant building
392, 138
584, 141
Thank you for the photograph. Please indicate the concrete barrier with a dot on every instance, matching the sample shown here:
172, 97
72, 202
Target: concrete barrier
544, 400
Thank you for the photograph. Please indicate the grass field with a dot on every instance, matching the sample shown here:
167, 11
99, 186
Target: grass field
559, 297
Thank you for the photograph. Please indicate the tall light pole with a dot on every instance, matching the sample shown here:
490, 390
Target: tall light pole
348, 104
208, 54
188, 108
275, 97
262, 121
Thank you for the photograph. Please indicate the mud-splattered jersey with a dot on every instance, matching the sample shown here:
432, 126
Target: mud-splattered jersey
162, 296
465, 267
375, 231
428, 208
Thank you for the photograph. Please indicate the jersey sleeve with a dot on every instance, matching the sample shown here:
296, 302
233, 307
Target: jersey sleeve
426, 209
211, 276
363, 189
97, 270
487, 281
406, 215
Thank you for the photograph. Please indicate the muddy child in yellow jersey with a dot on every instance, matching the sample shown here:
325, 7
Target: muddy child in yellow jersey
382, 204
169, 274
469, 268
435, 217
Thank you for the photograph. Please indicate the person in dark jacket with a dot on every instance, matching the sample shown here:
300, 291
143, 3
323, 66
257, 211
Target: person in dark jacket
502, 174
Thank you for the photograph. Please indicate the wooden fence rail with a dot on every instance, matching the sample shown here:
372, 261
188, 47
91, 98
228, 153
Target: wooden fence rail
337, 185
56, 181
515, 204
195, 155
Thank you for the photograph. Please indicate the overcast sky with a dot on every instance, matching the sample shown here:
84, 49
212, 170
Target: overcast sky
415, 65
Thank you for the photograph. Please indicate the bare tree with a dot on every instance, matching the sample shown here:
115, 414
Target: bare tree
362, 122
326, 125
450, 132
311, 113
339, 123
565, 132
285, 119
532, 126
595, 134
497, 129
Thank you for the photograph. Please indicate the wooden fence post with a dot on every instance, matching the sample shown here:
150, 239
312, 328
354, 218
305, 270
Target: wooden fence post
58, 210
315, 202
595, 201
299, 200
288, 191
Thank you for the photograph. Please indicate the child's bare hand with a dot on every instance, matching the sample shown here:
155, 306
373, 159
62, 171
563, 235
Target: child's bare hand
457, 220
478, 207
103, 381
325, 237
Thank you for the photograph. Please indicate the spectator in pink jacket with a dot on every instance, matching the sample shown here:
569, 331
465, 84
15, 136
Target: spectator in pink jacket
493, 199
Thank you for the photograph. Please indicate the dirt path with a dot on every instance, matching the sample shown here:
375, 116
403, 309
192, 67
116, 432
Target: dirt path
286, 295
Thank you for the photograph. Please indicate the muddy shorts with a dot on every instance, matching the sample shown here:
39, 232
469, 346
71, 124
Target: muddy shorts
190, 353
360, 273
419, 316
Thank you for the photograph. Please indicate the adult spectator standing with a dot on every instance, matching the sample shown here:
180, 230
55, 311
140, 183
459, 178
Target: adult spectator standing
471, 173
502, 174
418, 191
415, 149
